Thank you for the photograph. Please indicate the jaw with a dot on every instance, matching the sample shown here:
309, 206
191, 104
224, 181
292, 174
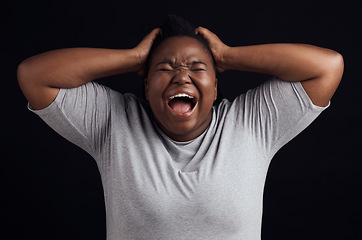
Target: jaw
184, 127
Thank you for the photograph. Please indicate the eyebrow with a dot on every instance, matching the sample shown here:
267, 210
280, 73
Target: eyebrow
198, 62
165, 62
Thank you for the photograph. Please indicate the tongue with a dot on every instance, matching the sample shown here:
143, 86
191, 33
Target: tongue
180, 106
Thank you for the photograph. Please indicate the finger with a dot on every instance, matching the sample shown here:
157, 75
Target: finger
203, 31
156, 31
199, 30
148, 40
208, 35
153, 34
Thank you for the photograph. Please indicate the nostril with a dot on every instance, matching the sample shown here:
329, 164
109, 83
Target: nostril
181, 78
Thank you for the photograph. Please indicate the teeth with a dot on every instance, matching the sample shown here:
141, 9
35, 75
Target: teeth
181, 95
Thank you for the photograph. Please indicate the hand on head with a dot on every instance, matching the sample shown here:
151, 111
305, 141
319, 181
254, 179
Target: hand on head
217, 47
144, 47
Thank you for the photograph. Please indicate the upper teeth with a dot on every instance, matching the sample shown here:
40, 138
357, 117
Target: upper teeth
181, 95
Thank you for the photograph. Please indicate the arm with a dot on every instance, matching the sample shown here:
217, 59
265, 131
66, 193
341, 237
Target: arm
41, 76
319, 70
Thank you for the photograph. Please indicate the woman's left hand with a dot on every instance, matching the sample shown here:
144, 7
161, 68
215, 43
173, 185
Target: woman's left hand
218, 48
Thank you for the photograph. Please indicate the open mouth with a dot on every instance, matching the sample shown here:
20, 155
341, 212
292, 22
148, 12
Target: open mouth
182, 103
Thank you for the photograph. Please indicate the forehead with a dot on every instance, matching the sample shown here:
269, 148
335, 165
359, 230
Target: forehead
181, 49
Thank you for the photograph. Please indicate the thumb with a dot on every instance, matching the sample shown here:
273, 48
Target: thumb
145, 45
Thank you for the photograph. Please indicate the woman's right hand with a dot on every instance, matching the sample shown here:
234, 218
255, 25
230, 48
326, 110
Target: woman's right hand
143, 49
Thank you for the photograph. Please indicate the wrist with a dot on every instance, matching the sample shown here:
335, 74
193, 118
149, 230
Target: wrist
130, 60
224, 58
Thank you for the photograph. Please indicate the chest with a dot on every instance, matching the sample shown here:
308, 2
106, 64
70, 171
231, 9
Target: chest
224, 189
222, 192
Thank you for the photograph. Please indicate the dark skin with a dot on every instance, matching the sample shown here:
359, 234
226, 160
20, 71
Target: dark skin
181, 65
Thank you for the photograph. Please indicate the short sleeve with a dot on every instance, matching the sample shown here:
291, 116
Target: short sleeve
81, 115
276, 112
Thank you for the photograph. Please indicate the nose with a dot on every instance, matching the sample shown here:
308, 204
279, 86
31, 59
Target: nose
181, 77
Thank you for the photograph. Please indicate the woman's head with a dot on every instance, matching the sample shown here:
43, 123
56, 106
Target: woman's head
175, 26
180, 83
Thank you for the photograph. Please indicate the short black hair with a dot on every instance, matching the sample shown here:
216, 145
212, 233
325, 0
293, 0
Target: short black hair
176, 26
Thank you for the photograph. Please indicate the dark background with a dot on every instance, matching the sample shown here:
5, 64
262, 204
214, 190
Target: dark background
52, 190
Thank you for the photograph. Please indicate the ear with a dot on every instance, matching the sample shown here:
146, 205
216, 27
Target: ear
146, 88
215, 91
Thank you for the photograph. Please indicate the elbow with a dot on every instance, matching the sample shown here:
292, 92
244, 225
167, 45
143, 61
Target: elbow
22, 72
25, 73
336, 65
338, 62
332, 67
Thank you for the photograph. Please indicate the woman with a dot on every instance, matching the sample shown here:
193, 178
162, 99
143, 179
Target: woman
175, 166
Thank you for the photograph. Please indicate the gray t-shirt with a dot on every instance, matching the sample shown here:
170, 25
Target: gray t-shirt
207, 188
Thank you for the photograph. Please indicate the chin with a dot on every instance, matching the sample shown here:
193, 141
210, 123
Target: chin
183, 131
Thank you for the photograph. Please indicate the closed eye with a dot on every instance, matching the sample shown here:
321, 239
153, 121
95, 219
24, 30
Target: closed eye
165, 68
198, 66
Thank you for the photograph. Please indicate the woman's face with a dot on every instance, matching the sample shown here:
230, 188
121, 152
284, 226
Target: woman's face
181, 87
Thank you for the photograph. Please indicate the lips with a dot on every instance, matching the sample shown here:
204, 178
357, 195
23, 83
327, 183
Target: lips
181, 102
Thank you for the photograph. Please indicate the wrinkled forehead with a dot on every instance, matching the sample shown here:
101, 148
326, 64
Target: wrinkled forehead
181, 50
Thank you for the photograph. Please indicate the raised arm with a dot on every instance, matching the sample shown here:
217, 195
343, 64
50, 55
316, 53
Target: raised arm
318, 69
41, 76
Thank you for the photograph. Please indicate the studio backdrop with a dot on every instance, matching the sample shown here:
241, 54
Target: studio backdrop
52, 189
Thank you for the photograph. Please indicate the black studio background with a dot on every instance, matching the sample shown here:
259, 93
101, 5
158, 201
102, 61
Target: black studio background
51, 189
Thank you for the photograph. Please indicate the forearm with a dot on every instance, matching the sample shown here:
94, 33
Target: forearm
67, 68
320, 70
41, 77
290, 62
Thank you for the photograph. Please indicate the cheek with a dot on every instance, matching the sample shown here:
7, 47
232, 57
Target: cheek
155, 88
207, 86
155, 82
